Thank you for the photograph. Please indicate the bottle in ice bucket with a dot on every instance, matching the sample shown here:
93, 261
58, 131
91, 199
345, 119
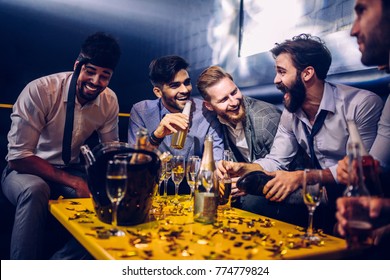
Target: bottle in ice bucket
206, 187
141, 144
359, 227
179, 138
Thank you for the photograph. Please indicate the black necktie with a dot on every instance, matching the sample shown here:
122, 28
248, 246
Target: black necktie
310, 137
68, 129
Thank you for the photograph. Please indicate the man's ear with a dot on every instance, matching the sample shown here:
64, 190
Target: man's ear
208, 105
75, 65
308, 73
157, 92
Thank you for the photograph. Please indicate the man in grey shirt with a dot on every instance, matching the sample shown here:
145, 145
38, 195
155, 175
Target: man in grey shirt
302, 65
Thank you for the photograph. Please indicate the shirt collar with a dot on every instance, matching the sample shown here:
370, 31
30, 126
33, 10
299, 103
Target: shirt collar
327, 102
163, 109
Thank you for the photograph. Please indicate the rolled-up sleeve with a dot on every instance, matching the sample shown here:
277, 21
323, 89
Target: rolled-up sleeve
284, 147
28, 118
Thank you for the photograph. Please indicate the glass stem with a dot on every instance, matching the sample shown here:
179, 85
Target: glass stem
191, 192
158, 189
309, 230
114, 217
165, 188
176, 190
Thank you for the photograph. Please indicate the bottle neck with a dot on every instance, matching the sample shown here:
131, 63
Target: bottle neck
208, 157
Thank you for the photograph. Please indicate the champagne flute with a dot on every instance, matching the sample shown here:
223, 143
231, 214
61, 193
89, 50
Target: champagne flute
160, 179
167, 174
116, 185
178, 170
312, 192
193, 166
225, 184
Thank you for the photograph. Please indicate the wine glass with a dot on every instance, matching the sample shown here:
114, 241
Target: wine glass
167, 169
312, 192
116, 185
160, 180
225, 184
178, 170
193, 166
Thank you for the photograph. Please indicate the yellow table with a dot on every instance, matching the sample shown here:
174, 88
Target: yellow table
238, 235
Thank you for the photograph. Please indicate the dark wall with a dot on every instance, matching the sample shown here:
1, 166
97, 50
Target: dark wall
41, 37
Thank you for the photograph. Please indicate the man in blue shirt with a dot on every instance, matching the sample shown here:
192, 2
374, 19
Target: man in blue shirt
162, 116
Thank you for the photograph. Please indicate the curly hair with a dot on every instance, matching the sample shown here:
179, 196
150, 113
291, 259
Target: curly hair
306, 50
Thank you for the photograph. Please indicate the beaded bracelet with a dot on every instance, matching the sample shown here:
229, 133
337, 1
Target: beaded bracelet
155, 141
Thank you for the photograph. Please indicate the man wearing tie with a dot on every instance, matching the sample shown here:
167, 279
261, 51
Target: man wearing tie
51, 119
315, 118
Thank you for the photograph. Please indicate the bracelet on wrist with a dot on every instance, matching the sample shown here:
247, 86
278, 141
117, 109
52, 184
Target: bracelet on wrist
155, 141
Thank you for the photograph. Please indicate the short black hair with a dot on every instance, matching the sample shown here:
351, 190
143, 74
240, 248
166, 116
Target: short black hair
306, 50
101, 49
163, 70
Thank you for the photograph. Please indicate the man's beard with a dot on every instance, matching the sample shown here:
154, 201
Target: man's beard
297, 94
89, 97
377, 45
234, 119
172, 104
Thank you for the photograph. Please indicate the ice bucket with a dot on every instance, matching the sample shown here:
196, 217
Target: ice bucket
143, 170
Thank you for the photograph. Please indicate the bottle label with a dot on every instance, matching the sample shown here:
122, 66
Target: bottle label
179, 139
205, 209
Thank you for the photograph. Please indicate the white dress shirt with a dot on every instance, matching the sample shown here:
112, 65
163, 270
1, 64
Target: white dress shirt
38, 120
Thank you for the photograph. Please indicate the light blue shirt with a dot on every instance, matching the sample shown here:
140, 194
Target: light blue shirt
330, 144
149, 113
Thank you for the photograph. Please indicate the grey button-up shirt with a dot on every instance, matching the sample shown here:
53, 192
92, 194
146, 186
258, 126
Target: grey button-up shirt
330, 144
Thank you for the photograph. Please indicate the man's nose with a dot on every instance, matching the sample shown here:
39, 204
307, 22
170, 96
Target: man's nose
95, 79
233, 102
277, 79
184, 88
354, 29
